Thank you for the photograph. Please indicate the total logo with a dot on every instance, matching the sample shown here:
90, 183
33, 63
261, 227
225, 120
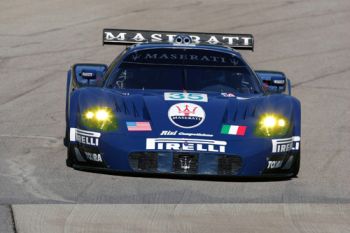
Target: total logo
186, 115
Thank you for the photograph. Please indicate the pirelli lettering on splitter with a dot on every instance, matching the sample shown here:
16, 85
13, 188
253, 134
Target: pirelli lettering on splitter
85, 137
187, 145
285, 144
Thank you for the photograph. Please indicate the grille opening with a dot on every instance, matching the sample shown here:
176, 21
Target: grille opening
147, 162
185, 163
229, 165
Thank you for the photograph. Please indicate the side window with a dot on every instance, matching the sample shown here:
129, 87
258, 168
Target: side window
112, 68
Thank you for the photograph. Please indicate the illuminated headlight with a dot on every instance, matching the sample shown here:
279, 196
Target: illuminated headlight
272, 125
99, 118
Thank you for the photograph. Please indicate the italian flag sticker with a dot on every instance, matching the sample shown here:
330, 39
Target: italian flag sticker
233, 130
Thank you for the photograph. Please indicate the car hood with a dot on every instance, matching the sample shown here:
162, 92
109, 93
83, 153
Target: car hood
186, 116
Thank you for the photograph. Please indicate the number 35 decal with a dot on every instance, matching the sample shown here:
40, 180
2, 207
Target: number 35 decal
182, 96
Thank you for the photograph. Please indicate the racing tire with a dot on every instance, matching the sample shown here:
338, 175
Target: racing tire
70, 156
296, 165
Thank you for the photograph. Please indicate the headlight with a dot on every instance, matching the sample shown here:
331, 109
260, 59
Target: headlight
99, 118
272, 125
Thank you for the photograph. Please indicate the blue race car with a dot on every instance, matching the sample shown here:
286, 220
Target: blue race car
181, 103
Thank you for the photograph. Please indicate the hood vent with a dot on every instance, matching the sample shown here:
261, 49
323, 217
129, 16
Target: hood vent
136, 114
126, 111
254, 110
121, 106
117, 108
131, 107
238, 111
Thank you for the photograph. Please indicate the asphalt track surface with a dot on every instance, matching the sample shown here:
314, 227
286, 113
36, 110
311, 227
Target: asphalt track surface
40, 40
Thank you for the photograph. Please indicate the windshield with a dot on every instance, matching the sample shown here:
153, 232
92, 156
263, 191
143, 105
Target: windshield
209, 74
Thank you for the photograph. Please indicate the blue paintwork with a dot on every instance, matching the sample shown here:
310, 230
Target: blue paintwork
149, 105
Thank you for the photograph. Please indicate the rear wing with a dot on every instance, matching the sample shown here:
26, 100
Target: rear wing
130, 37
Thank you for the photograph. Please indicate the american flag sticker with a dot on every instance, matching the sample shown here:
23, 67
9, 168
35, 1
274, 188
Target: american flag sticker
234, 130
138, 126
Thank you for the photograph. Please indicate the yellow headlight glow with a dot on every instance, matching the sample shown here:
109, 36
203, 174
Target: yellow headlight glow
271, 125
281, 122
99, 118
269, 121
102, 115
89, 115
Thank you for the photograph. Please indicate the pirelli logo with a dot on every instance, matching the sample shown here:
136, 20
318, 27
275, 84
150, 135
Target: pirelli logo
184, 144
84, 136
285, 144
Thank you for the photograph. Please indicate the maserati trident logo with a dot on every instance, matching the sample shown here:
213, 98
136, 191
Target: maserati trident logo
187, 112
185, 162
186, 115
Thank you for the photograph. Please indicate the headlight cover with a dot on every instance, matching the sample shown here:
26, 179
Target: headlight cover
99, 118
272, 125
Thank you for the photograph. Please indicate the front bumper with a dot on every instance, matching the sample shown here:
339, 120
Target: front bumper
239, 158
263, 176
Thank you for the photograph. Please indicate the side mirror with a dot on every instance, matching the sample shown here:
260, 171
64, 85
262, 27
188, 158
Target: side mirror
89, 74
275, 81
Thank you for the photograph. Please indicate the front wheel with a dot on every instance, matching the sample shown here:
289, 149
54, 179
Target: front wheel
296, 165
70, 156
